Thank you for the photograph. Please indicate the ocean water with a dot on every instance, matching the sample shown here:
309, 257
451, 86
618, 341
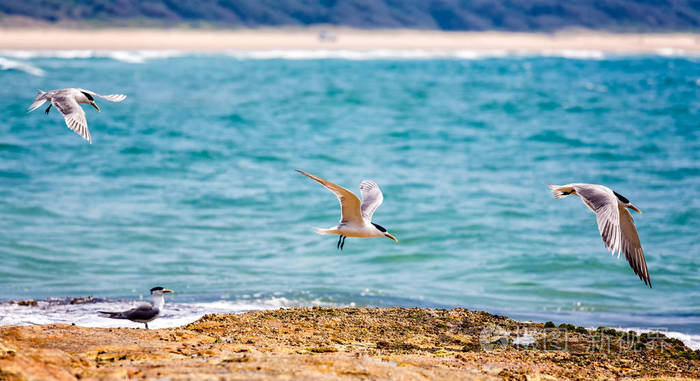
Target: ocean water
190, 183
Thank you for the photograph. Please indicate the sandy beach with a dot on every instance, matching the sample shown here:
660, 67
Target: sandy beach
339, 39
343, 344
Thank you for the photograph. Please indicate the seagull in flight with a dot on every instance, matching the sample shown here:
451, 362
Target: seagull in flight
68, 101
356, 216
615, 222
145, 312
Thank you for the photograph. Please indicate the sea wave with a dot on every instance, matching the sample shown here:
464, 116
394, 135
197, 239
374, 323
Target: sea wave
8, 64
412, 54
580, 54
690, 340
142, 56
376, 54
673, 52
85, 312
128, 56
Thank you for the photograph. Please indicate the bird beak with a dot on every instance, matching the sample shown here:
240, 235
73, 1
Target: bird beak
95, 105
387, 235
634, 208
167, 291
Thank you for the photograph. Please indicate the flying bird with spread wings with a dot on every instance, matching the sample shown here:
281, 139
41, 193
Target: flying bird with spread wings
68, 101
615, 222
356, 215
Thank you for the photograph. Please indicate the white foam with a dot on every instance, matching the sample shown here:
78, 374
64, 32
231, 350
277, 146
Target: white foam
411, 54
580, 54
141, 56
673, 52
691, 341
173, 315
29, 54
8, 64
128, 56
375, 54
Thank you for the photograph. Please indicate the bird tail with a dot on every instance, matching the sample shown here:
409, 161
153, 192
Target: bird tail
113, 315
38, 101
561, 191
325, 231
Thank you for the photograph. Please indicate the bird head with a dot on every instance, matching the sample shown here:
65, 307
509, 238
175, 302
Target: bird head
90, 99
626, 202
386, 234
159, 291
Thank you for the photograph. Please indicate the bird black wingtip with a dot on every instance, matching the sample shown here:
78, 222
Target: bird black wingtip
302, 172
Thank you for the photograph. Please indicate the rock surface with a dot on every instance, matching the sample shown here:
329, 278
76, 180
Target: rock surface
342, 343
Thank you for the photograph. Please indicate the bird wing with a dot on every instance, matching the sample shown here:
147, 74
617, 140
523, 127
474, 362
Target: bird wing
615, 225
604, 203
349, 203
73, 113
372, 197
142, 312
38, 101
631, 245
110, 97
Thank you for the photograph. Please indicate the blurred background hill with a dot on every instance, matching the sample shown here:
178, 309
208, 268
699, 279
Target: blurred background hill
508, 15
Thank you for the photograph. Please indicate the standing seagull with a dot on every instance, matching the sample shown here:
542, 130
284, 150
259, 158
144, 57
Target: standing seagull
145, 312
614, 222
68, 101
356, 216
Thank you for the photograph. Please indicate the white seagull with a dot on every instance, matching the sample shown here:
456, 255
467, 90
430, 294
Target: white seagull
356, 216
615, 222
68, 101
145, 312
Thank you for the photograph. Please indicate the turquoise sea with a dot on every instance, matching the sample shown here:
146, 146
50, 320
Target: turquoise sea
190, 182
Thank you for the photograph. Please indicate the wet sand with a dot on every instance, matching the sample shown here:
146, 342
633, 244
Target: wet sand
343, 344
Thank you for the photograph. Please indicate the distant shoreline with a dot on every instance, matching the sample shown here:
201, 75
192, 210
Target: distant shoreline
204, 40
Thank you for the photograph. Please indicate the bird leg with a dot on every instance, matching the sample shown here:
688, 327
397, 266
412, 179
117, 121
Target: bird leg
146, 325
340, 238
47, 109
343, 243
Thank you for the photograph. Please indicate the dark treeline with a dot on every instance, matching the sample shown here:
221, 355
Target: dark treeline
510, 15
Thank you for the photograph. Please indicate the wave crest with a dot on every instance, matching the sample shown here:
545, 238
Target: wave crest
128, 56
142, 56
8, 64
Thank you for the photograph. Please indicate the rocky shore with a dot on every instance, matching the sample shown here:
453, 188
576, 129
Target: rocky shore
343, 343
